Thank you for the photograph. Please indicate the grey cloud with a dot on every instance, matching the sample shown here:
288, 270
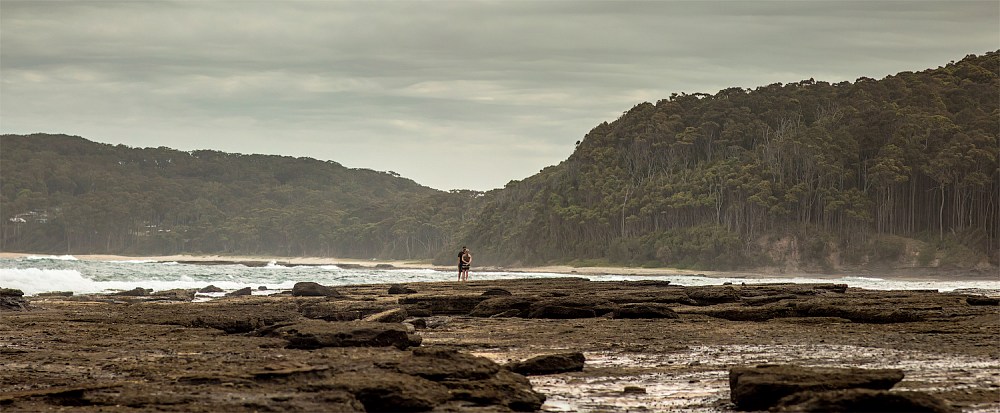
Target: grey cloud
418, 87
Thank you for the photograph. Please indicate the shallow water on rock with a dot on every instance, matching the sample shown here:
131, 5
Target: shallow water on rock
696, 378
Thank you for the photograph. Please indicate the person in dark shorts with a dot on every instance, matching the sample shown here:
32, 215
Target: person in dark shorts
464, 263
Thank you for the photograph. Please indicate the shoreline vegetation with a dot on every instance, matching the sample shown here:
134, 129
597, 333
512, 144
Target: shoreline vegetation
918, 273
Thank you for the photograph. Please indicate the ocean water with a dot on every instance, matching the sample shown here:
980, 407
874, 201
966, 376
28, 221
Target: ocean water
38, 274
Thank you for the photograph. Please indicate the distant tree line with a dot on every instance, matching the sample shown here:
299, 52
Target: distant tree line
847, 170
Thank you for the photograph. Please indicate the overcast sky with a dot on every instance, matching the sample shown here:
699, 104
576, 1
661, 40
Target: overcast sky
452, 94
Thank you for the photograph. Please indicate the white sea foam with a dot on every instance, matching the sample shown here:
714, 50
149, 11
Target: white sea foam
44, 274
32, 281
138, 261
51, 257
862, 279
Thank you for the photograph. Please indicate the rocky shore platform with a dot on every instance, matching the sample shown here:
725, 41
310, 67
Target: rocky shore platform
557, 344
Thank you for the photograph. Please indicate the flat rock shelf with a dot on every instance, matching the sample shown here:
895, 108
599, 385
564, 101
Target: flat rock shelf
446, 346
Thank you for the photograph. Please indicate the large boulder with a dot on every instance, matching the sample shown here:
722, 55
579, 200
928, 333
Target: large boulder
549, 364
761, 387
311, 289
863, 400
645, 310
313, 334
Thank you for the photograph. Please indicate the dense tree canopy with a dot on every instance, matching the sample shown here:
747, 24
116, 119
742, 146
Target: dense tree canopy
69, 195
716, 181
812, 169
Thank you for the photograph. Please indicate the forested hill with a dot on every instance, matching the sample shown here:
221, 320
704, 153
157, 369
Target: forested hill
65, 194
897, 171
900, 171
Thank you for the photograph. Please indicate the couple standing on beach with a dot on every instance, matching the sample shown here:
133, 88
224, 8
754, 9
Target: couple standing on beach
464, 262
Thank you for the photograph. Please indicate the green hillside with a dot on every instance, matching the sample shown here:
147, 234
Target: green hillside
902, 169
65, 194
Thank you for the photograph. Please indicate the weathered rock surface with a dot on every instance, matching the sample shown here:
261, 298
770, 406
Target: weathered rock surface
314, 334
329, 311
311, 289
982, 300
174, 295
511, 306
242, 292
599, 305
395, 315
152, 353
135, 292
12, 300
401, 289
497, 292
863, 400
712, 295
761, 387
210, 289
442, 304
444, 364
55, 294
549, 364
559, 312
645, 310
506, 389
389, 392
